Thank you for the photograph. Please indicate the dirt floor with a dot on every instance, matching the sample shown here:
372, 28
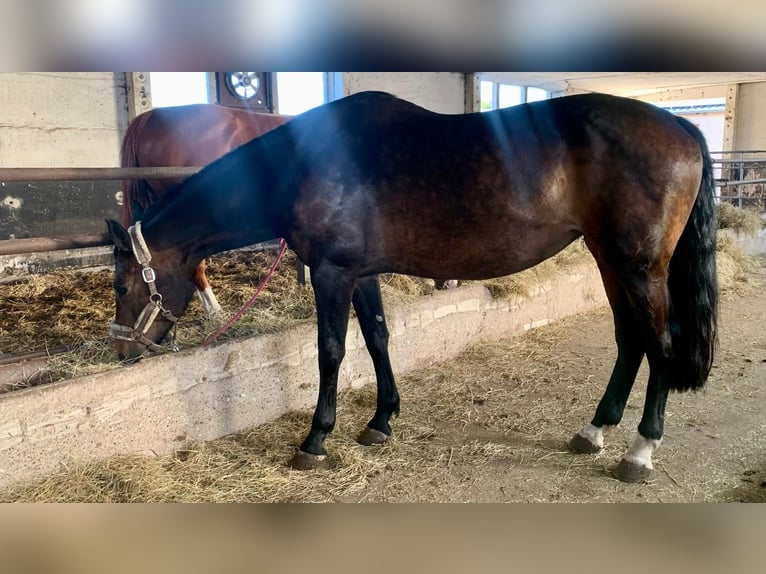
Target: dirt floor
714, 447
489, 426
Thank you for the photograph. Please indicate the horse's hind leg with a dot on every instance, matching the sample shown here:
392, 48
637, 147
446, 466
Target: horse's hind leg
649, 298
630, 352
369, 310
651, 302
206, 296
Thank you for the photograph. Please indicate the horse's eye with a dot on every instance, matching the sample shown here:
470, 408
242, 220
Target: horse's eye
120, 290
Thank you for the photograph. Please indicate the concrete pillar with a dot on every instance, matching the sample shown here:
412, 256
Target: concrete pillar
139, 93
472, 93
749, 131
212, 88
730, 117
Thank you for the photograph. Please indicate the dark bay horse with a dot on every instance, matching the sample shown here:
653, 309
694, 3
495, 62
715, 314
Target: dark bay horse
184, 136
367, 184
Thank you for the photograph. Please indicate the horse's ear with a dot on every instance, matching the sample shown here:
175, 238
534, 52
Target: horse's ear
118, 234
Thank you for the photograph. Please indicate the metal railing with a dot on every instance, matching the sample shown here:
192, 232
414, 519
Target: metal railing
29, 174
741, 178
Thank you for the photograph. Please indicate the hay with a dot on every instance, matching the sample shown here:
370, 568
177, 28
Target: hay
525, 283
84, 358
743, 221
282, 305
74, 309
735, 270
735, 267
50, 310
398, 290
247, 467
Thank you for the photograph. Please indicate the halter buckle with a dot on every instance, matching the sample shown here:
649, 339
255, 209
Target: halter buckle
148, 275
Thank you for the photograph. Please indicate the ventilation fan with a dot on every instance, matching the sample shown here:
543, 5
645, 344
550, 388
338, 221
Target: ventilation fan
244, 85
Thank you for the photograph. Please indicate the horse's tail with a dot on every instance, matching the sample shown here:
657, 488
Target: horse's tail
693, 283
135, 192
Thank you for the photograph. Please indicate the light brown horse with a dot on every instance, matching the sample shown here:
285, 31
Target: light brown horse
368, 184
184, 136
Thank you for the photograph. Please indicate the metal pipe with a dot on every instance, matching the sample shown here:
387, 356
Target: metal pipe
740, 161
38, 244
32, 355
733, 182
8, 174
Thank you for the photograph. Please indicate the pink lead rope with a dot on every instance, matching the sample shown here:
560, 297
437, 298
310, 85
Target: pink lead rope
246, 306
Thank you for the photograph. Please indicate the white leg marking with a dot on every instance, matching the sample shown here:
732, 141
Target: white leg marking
641, 452
594, 434
209, 302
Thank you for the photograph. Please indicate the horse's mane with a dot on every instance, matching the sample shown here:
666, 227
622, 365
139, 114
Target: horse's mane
133, 190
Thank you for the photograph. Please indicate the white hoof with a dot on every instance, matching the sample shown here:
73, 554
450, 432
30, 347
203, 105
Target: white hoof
209, 302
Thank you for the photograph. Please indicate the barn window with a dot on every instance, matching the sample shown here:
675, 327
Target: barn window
495, 95
298, 92
178, 88
288, 93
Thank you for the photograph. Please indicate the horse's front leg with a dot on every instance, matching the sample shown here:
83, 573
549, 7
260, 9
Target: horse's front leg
369, 310
206, 296
332, 291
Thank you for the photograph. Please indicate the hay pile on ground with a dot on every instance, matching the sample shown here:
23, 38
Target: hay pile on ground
744, 221
735, 267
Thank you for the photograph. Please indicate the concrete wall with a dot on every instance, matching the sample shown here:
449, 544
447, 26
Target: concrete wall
155, 405
60, 120
750, 121
754, 245
442, 92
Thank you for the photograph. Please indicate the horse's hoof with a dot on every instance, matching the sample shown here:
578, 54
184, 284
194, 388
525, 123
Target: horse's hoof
307, 461
369, 437
581, 445
628, 471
